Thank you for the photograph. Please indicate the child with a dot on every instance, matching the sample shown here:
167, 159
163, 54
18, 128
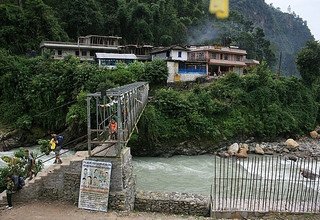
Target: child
9, 191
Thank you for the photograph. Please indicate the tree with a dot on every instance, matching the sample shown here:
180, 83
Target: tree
23, 28
308, 62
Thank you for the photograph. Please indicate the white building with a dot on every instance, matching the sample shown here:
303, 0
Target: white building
110, 60
179, 68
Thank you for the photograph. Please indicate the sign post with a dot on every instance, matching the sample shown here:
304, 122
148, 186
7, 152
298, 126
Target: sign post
94, 185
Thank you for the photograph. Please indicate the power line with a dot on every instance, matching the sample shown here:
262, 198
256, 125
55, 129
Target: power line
55, 108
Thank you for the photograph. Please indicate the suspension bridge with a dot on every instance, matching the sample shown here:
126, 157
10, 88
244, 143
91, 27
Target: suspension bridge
121, 106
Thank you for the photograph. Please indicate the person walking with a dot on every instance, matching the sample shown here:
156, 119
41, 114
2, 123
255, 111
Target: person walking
31, 162
59, 140
9, 191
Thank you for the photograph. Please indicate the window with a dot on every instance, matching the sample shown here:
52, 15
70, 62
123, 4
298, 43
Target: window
179, 54
225, 57
84, 53
214, 55
168, 53
92, 53
200, 56
77, 53
59, 52
238, 58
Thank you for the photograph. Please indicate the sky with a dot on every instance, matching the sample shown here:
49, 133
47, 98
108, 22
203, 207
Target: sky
308, 10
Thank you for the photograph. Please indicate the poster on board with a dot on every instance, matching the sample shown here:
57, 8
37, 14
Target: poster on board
94, 185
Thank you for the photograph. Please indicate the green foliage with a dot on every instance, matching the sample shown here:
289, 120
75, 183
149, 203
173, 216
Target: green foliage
156, 72
51, 95
44, 146
309, 63
259, 104
23, 28
4, 172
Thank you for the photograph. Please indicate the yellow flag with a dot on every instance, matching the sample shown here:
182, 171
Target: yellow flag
220, 8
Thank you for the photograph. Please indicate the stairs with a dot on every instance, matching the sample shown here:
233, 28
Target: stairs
34, 188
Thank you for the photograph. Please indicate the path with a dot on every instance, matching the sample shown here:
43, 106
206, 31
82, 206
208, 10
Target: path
67, 211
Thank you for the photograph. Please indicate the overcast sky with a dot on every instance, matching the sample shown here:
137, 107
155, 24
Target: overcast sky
308, 10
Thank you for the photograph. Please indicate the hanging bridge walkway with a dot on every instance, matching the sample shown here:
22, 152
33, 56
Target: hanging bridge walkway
112, 116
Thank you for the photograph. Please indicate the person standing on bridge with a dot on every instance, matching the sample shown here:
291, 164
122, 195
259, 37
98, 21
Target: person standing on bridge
113, 128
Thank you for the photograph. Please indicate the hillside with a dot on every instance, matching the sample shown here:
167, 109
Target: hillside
287, 32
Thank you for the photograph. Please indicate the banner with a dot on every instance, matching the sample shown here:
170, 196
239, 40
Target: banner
94, 185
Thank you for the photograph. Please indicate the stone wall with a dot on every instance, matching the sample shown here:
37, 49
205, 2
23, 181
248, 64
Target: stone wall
172, 203
62, 182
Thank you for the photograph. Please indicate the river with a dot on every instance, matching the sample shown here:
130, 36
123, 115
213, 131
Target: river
191, 174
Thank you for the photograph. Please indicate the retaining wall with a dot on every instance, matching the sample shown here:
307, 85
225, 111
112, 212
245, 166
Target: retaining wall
172, 203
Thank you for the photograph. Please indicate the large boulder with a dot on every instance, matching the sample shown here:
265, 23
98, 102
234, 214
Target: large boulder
291, 144
243, 152
314, 134
233, 149
258, 149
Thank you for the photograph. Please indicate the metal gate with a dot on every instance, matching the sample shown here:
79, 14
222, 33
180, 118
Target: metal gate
265, 184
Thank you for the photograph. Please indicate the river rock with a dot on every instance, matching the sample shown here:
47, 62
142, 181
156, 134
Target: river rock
285, 150
314, 134
268, 152
246, 146
292, 157
233, 149
258, 150
243, 152
223, 154
291, 144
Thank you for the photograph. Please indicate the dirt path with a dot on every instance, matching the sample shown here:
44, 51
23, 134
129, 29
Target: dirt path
65, 211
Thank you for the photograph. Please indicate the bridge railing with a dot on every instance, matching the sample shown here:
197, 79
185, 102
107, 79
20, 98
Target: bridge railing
124, 105
265, 184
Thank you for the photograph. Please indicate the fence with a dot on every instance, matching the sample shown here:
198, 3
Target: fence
265, 184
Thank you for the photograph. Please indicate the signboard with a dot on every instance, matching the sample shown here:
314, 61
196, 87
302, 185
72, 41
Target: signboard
94, 185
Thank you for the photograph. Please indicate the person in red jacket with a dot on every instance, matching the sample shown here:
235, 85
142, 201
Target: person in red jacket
113, 129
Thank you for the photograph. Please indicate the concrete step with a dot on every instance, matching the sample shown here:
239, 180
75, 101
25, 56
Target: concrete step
78, 156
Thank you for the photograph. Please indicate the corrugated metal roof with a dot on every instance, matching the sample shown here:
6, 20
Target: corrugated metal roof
116, 56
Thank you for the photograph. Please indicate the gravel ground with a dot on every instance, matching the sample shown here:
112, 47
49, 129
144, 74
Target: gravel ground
67, 211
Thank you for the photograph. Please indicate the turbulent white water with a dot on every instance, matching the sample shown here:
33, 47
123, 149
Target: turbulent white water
192, 174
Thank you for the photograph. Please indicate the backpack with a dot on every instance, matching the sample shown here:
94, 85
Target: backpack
18, 182
15, 180
59, 140
21, 182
